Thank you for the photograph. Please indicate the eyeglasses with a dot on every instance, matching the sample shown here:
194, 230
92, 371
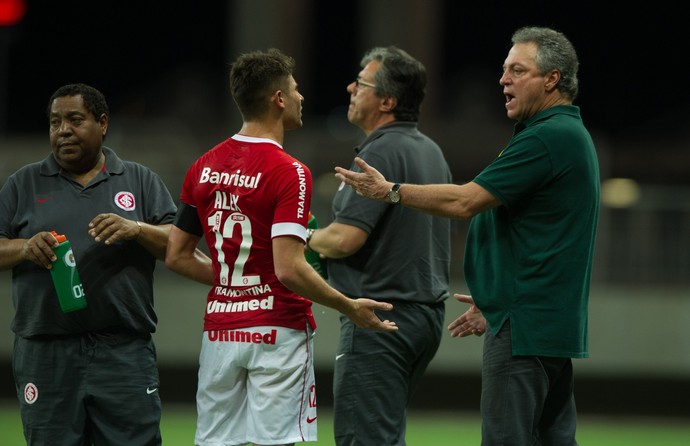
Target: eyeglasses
360, 83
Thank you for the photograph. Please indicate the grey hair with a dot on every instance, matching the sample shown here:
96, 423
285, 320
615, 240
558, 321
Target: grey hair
401, 76
554, 52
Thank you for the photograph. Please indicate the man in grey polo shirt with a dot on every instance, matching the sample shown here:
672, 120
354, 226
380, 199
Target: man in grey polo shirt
87, 376
387, 252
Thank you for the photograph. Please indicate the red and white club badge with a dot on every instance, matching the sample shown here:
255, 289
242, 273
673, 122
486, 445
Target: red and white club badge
125, 201
30, 393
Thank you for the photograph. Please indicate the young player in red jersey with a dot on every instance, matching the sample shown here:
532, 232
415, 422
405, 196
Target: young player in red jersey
250, 200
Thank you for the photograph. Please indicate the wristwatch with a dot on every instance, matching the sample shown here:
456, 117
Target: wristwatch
394, 195
310, 232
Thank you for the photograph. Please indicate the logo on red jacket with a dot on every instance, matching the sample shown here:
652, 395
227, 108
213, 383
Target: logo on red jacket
125, 201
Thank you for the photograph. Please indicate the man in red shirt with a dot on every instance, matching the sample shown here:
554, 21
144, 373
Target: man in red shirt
250, 199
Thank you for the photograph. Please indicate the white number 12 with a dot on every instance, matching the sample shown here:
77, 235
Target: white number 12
236, 218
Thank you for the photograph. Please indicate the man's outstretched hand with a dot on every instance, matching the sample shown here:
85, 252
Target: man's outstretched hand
368, 183
471, 322
363, 315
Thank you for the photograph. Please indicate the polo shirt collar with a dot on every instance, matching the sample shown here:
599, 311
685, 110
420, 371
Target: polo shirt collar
113, 164
402, 126
572, 110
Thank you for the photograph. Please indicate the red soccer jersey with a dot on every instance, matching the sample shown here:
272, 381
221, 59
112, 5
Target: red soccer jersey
246, 191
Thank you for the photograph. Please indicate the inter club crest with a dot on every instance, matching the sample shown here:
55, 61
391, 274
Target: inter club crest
125, 201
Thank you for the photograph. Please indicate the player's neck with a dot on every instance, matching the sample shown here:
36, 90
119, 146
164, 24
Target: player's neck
273, 131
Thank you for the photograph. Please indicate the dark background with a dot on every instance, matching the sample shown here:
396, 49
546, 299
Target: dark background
632, 76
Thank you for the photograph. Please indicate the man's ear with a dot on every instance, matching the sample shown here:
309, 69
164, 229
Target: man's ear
277, 98
552, 80
388, 104
103, 122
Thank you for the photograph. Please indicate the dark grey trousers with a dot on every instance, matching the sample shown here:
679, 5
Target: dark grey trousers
526, 400
376, 374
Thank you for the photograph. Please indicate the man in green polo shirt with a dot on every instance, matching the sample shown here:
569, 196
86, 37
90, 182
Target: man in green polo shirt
528, 258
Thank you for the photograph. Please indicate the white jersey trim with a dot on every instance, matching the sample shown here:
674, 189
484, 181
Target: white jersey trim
280, 229
245, 138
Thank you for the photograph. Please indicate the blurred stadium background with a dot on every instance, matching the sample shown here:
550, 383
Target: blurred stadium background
163, 68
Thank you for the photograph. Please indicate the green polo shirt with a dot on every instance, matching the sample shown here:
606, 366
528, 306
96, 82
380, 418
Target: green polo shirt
530, 260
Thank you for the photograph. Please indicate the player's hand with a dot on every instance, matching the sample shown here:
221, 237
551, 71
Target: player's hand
110, 228
39, 249
369, 183
364, 315
471, 322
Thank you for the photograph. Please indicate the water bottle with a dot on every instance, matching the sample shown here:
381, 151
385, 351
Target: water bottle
313, 257
66, 277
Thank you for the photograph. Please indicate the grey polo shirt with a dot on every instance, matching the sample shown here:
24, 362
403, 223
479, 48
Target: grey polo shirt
117, 279
407, 254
